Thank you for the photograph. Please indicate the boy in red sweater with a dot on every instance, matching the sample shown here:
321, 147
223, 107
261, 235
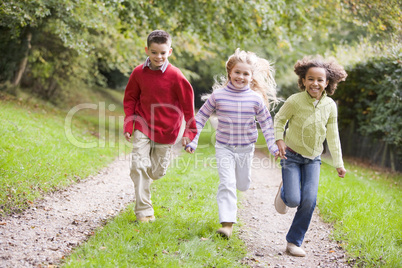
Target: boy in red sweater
156, 99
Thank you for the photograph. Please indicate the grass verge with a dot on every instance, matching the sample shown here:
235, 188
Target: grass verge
184, 233
41, 151
365, 209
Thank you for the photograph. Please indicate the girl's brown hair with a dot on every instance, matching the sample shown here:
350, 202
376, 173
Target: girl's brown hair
335, 72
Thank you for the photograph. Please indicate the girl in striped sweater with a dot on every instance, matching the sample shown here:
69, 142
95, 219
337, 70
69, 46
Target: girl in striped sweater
243, 96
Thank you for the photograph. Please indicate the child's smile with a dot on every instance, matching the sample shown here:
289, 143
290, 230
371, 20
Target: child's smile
241, 75
158, 54
315, 82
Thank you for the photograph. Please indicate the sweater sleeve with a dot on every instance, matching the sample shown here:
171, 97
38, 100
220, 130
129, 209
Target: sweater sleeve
333, 140
283, 115
265, 120
185, 95
202, 117
130, 101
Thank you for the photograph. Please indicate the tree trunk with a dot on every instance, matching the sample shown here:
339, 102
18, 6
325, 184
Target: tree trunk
24, 61
351, 137
51, 89
392, 160
384, 155
376, 155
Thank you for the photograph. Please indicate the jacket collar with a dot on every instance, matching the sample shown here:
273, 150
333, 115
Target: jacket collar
311, 99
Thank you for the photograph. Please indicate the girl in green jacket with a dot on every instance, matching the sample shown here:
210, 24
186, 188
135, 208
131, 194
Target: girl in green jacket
312, 117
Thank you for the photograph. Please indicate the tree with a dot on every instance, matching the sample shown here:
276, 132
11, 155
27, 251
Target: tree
58, 42
370, 103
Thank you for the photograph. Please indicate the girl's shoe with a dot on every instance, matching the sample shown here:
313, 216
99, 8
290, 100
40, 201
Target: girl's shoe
295, 250
280, 206
226, 229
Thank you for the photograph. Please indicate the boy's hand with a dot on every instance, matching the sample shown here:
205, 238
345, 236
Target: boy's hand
127, 135
341, 172
185, 141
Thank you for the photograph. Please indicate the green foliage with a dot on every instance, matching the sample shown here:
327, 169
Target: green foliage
377, 16
16, 15
371, 97
93, 41
70, 39
365, 209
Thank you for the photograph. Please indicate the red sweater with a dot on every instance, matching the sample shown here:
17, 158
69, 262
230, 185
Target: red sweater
157, 102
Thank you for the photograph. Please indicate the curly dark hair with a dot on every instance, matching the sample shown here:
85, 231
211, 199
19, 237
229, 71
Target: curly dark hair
335, 72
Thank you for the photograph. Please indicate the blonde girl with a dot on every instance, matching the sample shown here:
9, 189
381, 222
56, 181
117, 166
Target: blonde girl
243, 96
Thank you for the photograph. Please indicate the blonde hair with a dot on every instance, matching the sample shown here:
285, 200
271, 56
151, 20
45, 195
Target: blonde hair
263, 80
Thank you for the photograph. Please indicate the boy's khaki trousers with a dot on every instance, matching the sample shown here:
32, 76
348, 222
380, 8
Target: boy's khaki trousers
149, 161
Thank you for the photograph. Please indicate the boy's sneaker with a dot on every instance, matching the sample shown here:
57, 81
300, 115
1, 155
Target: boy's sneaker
280, 206
147, 219
295, 250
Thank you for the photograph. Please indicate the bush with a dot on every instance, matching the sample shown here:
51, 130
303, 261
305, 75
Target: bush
369, 103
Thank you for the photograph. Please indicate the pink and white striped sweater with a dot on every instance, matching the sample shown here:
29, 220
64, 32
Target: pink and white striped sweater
236, 110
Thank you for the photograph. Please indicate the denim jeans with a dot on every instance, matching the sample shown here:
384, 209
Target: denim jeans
300, 178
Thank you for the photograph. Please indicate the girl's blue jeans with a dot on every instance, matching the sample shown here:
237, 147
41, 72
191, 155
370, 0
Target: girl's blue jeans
300, 178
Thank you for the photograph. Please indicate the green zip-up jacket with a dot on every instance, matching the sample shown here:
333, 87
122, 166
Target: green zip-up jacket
309, 126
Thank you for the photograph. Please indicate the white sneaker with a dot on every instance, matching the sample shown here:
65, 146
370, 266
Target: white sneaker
279, 204
295, 250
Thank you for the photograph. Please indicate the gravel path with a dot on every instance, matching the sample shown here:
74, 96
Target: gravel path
49, 230
264, 230
43, 234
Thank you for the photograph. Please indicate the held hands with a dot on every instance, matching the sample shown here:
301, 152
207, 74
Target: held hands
185, 141
282, 150
189, 150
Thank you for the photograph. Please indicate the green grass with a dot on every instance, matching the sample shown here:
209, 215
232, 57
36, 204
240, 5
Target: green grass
36, 154
365, 208
184, 233
36, 157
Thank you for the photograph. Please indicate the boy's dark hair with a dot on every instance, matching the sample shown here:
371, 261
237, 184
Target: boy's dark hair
159, 37
335, 72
